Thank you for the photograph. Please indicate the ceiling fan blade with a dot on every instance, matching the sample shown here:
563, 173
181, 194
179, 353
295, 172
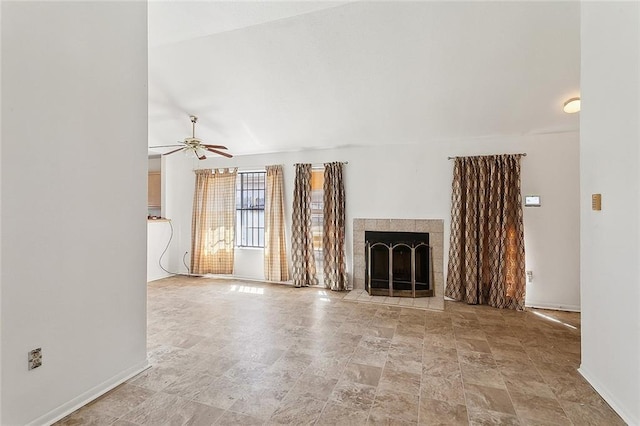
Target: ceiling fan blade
165, 146
214, 146
224, 154
171, 152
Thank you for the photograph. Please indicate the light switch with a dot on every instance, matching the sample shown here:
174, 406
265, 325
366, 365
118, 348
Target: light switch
596, 202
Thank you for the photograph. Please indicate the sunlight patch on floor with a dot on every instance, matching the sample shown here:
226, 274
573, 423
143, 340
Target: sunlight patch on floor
547, 317
247, 289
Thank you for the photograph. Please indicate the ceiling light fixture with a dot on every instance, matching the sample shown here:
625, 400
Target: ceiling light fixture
572, 105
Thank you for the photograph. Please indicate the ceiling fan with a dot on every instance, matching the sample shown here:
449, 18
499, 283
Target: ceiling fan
195, 145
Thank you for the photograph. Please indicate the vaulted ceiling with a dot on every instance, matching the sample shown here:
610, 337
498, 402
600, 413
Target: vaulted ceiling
281, 76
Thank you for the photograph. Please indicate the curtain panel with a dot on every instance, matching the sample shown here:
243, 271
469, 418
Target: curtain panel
213, 222
303, 262
335, 271
486, 251
275, 250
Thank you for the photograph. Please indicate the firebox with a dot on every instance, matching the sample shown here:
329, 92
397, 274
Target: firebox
398, 264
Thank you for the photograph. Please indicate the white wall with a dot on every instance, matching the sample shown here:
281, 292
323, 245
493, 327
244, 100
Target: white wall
1, 332
158, 236
178, 181
74, 115
610, 164
155, 164
414, 182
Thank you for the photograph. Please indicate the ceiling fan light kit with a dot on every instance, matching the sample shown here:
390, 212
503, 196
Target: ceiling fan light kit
193, 146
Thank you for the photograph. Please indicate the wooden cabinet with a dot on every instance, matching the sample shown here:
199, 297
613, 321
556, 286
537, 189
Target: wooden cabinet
154, 191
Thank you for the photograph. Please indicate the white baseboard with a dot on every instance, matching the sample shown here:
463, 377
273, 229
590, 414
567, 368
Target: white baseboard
542, 305
629, 418
159, 277
553, 306
249, 279
88, 396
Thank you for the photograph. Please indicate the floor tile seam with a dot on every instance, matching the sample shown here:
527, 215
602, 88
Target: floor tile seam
421, 377
532, 419
328, 399
565, 411
280, 405
203, 403
401, 421
140, 387
120, 417
464, 392
378, 387
566, 401
544, 379
518, 416
420, 308
485, 385
326, 402
401, 392
229, 410
474, 364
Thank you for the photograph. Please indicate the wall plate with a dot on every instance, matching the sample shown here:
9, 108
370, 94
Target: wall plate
35, 358
532, 201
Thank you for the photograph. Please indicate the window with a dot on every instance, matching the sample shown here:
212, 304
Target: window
317, 217
250, 193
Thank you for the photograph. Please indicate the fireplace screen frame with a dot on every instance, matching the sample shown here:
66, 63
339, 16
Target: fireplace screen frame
391, 291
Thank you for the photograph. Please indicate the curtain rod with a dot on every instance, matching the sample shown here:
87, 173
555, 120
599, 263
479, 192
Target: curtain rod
261, 167
317, 165
524, 154
243, 168
215, 168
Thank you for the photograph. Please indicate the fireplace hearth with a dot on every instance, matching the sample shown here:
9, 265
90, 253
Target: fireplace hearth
398, 264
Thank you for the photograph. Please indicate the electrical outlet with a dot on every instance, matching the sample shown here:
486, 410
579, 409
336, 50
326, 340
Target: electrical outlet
530, 275
35, 358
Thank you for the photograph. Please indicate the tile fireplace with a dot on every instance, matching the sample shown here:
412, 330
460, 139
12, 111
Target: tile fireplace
417, 240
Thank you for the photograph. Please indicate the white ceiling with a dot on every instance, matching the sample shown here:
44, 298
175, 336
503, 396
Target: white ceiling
281, 76
179, 20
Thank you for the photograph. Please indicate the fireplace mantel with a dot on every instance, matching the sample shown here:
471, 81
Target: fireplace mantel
435, 228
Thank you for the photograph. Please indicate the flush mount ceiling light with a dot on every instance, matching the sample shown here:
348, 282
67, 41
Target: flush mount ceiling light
572, 105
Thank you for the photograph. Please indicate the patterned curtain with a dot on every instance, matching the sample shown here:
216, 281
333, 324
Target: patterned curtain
304, 266
212, 226
275, 251
335, 274
486, 253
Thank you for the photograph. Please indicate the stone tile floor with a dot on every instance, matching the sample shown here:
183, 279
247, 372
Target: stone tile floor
432, 303
237, 353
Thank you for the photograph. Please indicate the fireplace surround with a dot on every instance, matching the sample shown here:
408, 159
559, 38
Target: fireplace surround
435, 229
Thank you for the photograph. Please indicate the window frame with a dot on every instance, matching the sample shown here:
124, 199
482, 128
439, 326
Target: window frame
317, 219
244, 212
